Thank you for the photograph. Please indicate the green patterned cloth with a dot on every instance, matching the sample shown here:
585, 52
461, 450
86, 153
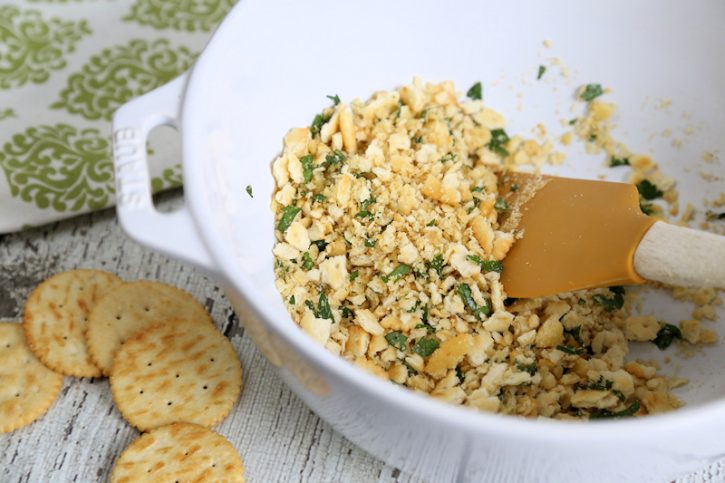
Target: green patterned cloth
65, 66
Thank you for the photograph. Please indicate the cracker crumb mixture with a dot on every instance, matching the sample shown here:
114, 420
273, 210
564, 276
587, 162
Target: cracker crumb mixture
389, 249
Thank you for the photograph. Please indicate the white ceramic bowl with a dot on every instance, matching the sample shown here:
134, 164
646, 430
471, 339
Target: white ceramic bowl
269, 67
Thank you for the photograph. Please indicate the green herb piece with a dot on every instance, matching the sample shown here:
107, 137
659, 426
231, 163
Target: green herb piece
249, 190
647, 208
542, 69
514, 188
571, 350
369, 242
619, 394
615, 161
591, 92
648, 190
423, 114
478, 189
581, 302
317, 123
288, 216
712, 216
475, 92
498, 141
592, 137
575, 334
425, 346
417, 139
320, 244
572, 121
398, 272
311, 306
431, 222
323, 307
464, 291
631, 410
667, 335
307, 261
364, 209
530, 368
292, 300
307, 167
334, 158
436, 264
335, 99
600, 385
346, 313
319, 198
459, 373
501, 205
487, 265
353, 275
448, 157
613, 303
397, 340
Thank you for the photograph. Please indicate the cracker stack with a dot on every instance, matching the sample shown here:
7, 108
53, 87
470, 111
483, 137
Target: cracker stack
171, 372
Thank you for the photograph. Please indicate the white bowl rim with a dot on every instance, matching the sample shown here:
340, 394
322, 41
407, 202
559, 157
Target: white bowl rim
468, 421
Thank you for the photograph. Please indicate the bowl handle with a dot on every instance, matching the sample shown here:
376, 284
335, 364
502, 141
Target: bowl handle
172, 233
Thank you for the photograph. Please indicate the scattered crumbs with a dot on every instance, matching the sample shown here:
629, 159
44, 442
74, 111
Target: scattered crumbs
709, 177
709, 157
688, 214
249, 190
666, 133
547, 43
664, 104
677, 143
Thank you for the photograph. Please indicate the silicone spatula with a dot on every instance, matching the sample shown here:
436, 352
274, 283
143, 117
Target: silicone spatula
580, 234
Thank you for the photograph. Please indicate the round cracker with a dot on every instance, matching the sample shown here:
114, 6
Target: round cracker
131, 307
179, 452
27, 387
178, 370
56, 316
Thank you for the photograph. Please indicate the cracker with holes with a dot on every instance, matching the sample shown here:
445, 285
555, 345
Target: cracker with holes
27, 387
56, 316
179, 452
131, 307
178, 370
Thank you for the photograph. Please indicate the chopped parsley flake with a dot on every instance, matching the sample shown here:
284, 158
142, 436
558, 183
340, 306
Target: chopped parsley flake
610, 304
249, 190
354, 274
307, 167
369, 242
319, 198
317, 123
398, 272
501, 205
571, 350
647, 208
397, 340
712, 216
288, 216
436, 264
486, 265
464, 291
631, 410
334, 158
540, 74
307, 261
292, 300
615, 161
530, 368
321, 244
498, 141
425, 346
667, 335
591, 92
335, 99
431, 222
364, 209
648, 190
475, 92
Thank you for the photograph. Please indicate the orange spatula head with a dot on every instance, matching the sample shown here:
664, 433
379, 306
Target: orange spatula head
577, 234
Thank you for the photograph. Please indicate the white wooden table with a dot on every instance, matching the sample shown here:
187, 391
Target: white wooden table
83, 433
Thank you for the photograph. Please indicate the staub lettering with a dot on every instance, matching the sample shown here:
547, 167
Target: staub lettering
132, 185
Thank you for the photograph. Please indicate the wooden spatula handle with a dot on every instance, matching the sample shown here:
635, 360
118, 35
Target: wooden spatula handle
681, 256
